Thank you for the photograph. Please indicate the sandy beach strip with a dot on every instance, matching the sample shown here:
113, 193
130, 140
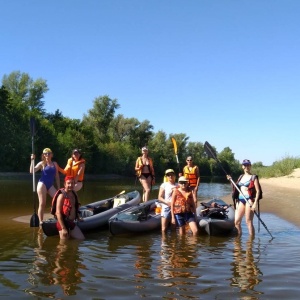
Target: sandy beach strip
281, 196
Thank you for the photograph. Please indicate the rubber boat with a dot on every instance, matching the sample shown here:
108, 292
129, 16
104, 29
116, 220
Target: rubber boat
96, 215
137, 219
215, 217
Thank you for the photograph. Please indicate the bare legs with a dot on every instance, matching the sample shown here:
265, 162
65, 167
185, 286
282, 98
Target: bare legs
42, 194
146, 184
241, 210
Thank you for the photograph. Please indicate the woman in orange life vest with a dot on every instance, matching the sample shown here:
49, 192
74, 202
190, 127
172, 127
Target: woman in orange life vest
183, 208
242, 207
145, 172
75, 167
191, 172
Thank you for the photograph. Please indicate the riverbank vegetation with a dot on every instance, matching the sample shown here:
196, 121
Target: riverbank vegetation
110, 142
283, 167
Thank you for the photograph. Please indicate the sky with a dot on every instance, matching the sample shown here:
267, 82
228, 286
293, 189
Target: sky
222, 71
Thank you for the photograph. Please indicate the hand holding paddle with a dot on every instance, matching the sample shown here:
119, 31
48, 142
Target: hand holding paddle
211, 154
34, 221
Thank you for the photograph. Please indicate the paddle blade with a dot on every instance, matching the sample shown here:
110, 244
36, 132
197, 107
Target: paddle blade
175, 145
34, 221
32, 126
211, 153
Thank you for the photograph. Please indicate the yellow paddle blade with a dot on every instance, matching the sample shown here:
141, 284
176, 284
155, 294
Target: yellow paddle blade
175, 145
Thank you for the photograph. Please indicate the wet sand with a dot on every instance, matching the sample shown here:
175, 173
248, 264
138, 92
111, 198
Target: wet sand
281, 196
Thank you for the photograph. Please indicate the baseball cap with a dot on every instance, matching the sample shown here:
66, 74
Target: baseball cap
169, 171
246, 162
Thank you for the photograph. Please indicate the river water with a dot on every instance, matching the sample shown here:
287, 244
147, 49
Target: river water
153, 266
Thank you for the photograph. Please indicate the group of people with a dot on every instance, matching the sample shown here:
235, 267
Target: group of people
179, 201
74, 172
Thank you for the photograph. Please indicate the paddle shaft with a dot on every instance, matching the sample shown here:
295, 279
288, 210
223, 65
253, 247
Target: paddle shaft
211, 153
34, 221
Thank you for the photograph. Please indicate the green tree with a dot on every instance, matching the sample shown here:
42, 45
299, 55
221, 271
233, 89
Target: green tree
25, 94
99, 118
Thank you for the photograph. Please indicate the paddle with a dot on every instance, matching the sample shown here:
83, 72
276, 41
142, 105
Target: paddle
211, 154
34, 221
175, 150
121, 193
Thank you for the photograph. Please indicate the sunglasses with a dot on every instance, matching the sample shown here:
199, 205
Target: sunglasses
47, 153
182, 182
189, 160
170, 174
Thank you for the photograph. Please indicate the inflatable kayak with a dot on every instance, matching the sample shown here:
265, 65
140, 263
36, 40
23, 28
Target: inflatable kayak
215, 217
137, 219
96, 215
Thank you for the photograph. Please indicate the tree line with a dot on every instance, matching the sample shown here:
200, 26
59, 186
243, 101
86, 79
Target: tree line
110, 142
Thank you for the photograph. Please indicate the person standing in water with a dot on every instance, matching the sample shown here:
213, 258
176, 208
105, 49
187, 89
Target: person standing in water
49, 170
243, 207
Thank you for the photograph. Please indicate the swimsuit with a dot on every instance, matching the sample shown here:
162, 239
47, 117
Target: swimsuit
48, 174
241, 198
146, 175
70, 225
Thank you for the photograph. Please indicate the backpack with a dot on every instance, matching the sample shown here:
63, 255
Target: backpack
251, 188
54, 200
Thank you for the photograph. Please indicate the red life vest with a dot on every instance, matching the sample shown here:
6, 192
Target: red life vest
67, 206
251, 189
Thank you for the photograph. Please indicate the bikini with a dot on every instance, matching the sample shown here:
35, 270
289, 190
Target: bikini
146, 175
241, 198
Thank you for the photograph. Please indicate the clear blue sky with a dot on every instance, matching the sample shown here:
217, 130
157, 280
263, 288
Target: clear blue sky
225, 71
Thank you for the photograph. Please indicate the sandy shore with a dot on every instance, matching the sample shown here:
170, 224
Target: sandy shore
281, 196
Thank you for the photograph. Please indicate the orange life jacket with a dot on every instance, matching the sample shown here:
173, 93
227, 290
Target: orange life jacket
139, 162
182, 204
72, 168
191, 175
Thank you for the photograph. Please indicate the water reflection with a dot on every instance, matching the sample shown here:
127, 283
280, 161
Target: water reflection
177, 257
246, 274
56, 263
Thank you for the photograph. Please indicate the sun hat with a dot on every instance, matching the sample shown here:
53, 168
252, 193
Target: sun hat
46, 150
246, 162
169, 171
182, 178
144, 148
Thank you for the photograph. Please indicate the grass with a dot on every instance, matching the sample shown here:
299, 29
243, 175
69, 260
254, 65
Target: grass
279, 168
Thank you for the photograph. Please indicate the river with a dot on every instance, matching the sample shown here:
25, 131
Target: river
33, 266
